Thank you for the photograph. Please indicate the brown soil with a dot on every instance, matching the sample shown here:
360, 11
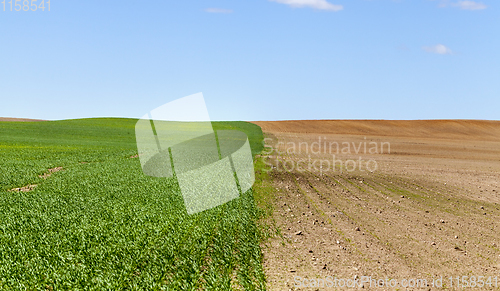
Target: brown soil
50, 172
19, 119
26, 188
430, 209
441, 129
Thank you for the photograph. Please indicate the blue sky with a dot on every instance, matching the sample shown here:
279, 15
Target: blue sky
254, 60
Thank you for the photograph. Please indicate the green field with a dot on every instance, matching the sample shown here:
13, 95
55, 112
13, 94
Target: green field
101, 224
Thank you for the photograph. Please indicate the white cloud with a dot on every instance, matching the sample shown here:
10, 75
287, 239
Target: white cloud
470, 5
464, 5
317, 4
218, 10
438, 49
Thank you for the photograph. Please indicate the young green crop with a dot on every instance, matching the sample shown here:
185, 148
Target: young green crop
101, 224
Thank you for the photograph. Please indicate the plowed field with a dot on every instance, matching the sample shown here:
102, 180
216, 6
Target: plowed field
429, 209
